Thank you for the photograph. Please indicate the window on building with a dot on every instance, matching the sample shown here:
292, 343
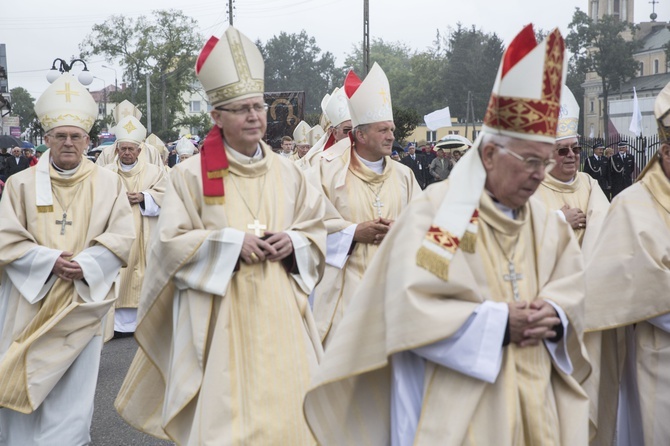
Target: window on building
454, 132
431, 136
592, 107
194, 107
616, 8
655, 66
641, 72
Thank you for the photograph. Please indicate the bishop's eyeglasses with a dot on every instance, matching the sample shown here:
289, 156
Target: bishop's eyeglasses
244, 111
532, 163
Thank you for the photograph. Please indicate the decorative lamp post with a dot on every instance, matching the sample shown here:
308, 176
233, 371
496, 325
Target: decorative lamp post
85, 77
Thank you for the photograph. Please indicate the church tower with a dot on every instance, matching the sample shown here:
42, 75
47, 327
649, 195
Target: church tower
623, 9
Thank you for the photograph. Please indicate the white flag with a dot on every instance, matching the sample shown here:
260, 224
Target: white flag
636, 119
438, 119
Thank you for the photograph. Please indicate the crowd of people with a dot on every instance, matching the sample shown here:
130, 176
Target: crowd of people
333, 292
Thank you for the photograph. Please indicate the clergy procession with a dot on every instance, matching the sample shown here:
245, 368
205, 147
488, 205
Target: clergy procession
317, 295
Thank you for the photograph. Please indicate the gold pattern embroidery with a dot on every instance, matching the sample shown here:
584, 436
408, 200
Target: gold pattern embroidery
67, 92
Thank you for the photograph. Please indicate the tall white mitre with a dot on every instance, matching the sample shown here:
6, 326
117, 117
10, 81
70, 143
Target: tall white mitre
337, 108
568, 117
66, 102
369, 101
315, 134
230, 68
128, 126
662, 113
324, 121
301, 133
185, 147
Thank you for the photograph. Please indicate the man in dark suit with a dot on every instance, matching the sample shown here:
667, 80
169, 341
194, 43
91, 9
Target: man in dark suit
621, 169
596, 166
16, 162
418, 165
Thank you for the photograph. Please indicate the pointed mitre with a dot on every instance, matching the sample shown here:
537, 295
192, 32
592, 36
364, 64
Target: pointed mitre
370, 100
66, 102
526, 96
568, 117
158, 143
230, 68
185, 147
337, 108
130, 129
324, 122
301, 133
662, 113
125, 109
315, 134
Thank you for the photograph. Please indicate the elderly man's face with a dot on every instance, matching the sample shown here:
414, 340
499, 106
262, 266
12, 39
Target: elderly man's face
67, 144
567, 154
16, 151
623, 150
598, 151
128, 152
665, 159
303, 149
243, 122
411, 150
508, 178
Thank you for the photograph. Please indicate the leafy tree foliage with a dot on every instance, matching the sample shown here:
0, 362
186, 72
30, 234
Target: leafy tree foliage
294, 62
474, 57
23, 106
600, 46
164, 46
199, 124
405, 120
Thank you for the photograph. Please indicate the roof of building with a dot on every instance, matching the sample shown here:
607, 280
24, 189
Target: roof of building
656, 39
651, 83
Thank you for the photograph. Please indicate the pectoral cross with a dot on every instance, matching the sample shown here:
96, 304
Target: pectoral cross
63, 222
513, 277
379, 205
257, 226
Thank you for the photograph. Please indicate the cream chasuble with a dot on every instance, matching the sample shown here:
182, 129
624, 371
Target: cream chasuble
583, 193
357, 195
226, 358
39, 341
400, 307
153, 180
629, 278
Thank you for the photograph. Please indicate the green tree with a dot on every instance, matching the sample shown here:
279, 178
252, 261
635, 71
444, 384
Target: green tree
294, 62
164, 46
199, 124
601, 47
474, 57
575, 78
405, 120
23, 106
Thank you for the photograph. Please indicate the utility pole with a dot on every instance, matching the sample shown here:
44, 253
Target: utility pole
148, 106
366, 36
230, 12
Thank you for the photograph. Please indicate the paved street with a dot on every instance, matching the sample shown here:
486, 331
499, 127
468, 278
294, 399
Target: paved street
108, 428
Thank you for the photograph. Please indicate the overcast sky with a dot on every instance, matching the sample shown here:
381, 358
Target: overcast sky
37, 31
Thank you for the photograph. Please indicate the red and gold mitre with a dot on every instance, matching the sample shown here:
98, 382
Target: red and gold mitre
526, 97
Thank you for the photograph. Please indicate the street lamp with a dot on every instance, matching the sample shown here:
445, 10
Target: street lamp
116, 84
85, 77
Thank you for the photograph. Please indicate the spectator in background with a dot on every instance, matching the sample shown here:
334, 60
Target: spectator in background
395, 156
418, 165
286, 146
456, 155
440, 167
30, 155
16, 162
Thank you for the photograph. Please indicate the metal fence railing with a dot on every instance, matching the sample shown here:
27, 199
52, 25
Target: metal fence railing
643, 149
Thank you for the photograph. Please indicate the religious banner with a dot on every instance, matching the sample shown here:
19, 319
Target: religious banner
285, 112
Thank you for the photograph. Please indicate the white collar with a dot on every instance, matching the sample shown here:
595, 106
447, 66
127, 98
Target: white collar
244, 159
63, 172
375, 166
127, 167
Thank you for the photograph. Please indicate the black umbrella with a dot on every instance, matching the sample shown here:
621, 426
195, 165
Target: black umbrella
8, 141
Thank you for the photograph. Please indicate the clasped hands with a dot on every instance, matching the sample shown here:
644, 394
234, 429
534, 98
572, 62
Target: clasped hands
530, 323
574, 216
66, 269
372, 231
275, 247
135, 197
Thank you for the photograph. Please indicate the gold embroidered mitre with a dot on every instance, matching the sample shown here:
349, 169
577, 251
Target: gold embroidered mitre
568, 117
66, 102
230, 68
300, 134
